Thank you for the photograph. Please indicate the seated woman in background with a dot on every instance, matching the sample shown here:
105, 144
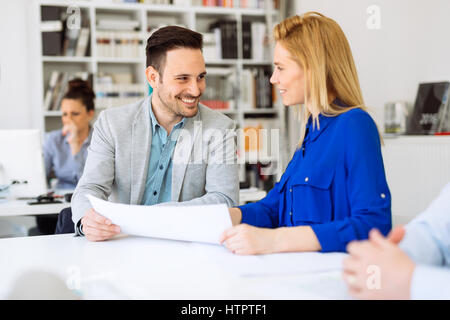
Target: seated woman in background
334, 189
65, 150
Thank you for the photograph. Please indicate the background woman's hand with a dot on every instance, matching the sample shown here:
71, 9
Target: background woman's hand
71, 131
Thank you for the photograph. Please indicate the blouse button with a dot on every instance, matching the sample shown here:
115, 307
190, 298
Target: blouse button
290, 190
383, 195
290, 213
306, 179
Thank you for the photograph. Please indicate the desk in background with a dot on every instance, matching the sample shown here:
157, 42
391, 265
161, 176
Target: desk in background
128, 267
21, 208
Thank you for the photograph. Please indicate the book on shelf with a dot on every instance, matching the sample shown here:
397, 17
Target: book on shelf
159, 1
246, 39
82, 43
210, 49
117, 25
259, 41
256, 178
76, 36
226, 36
220, 88
51, 28
256, 89
115, 90
258, 140
118, 44
254, 4
58, 85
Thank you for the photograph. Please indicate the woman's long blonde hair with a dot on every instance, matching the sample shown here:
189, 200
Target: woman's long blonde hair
322, 50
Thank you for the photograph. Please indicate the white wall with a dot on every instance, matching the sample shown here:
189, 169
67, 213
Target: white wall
15, 61
412, 45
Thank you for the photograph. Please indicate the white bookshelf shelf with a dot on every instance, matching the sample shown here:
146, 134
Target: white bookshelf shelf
66, 59
56, 113
119, 60
261, 111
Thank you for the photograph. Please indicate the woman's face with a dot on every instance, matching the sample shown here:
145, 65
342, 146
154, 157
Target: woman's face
288, 77
74, 112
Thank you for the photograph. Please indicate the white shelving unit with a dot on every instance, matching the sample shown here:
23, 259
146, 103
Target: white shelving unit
194, 17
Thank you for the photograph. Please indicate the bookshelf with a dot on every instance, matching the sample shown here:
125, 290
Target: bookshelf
120, 67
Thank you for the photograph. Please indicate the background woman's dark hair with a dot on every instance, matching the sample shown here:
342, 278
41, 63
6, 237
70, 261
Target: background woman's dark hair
168, 38
81, 90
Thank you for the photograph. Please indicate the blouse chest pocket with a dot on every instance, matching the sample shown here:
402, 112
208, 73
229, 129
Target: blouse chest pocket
311, 196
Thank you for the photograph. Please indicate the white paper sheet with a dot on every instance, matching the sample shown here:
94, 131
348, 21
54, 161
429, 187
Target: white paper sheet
188, 223
272, 264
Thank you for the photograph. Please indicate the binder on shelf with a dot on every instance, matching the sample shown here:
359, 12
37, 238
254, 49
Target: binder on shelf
51, 31
226, 35
246, 40
82, 43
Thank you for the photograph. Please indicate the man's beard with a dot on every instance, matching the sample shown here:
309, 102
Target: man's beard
173, 108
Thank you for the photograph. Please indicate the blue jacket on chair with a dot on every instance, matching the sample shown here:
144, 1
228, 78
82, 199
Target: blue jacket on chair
334, 183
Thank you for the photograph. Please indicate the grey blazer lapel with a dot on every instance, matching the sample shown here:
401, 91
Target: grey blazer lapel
182, 153
141, 140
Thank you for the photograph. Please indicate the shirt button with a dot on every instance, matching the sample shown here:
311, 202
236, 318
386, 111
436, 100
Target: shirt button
154, 193
290, 213
161, 167
383, 195
306, 179
290, 190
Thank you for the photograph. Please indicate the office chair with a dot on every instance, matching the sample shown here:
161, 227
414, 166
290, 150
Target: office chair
65, 223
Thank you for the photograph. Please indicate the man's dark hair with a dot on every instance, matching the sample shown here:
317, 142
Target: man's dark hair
166, 39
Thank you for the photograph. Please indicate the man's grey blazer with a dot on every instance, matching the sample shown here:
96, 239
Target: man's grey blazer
204, 166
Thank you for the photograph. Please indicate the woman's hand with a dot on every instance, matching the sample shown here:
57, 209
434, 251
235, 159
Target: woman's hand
245, 239
71, 130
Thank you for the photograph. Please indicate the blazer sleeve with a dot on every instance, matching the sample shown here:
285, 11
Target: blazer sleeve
98, 174
368, 193
427, 238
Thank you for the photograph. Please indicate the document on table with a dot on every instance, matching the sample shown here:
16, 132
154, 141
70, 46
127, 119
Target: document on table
270, 264
200, 223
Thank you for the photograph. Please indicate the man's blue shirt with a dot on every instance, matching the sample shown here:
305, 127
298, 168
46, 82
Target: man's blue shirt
158, 187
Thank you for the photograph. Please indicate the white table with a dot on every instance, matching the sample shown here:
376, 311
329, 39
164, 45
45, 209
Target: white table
128, 267
21, 208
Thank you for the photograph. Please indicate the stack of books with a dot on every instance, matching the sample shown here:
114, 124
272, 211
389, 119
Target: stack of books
58, 85
256, 89
117, 90
220, 89
60, 38
118, 39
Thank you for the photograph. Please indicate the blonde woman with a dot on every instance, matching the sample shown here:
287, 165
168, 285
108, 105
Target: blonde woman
334, 189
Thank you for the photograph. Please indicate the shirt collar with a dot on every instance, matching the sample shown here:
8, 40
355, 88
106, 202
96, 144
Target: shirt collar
324, 120
156, 123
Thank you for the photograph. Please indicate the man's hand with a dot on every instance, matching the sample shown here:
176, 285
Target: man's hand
246, 239
98, 228
378, 268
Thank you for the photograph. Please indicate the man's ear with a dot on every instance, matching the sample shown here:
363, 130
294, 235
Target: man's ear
152, 76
